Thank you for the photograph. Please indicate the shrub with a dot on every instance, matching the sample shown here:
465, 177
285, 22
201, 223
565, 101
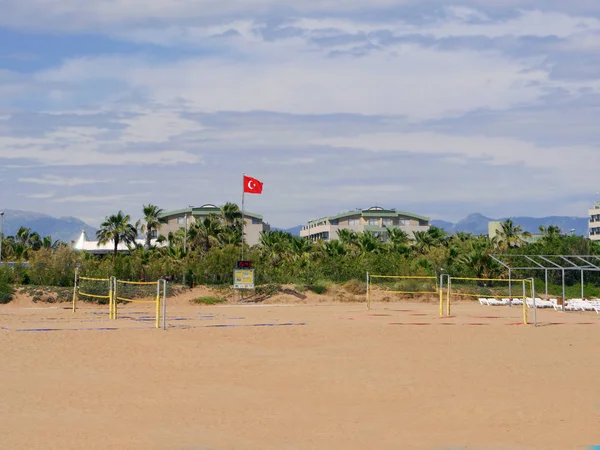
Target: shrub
317, 288
6, 293
300, 288
355, 287
208, 301
267, 290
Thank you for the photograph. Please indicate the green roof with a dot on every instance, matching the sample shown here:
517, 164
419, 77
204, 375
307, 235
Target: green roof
204, 211
372, 213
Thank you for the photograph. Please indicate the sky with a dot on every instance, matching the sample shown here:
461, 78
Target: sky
440, 108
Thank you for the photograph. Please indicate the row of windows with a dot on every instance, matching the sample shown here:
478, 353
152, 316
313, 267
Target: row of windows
594, 231
595, 218
386, 222
181, 221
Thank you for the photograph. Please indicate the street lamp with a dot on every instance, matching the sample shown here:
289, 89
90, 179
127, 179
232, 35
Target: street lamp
185, 231
1, 232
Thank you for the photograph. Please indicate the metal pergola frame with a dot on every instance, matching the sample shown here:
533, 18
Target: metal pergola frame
582, 263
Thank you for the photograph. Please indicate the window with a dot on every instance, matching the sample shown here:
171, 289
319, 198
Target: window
388, 222
402, 222
181, 220
353, 222
255, 221
335, 222
374, 222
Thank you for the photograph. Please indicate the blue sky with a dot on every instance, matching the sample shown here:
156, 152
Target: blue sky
442, 108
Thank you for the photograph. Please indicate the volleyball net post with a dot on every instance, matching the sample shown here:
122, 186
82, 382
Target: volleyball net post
443, 277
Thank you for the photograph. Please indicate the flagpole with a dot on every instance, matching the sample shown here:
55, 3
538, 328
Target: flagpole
243, 215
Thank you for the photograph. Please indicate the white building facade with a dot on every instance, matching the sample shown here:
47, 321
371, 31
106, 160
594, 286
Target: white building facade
376, 219
254, 225
594, 224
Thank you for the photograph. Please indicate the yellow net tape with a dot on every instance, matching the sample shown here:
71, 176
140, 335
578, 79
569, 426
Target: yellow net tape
93, 295
402, 277
411, 292
147, 283
93, 279
135, 301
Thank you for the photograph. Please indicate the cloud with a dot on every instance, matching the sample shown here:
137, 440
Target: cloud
55, 180
382, 82
75, 15
83, 146
41, 196
93, 198
441, 109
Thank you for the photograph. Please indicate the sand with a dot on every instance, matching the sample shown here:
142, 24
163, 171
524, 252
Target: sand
316, 376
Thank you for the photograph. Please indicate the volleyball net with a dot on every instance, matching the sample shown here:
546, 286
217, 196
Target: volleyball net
99, 290
401, 285
112, 292
488, 291
140, 292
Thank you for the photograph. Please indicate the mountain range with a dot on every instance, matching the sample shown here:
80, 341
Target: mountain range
478, 224
69, 228
63, 228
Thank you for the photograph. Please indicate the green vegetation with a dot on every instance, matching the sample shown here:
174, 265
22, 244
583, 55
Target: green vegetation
317, 288
208, 301
6, 293
213, 247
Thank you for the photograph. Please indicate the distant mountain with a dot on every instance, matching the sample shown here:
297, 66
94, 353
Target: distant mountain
478, 224
63, 228
295, 231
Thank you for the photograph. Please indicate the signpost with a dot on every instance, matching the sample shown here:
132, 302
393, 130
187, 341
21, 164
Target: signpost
243, 276
243, 279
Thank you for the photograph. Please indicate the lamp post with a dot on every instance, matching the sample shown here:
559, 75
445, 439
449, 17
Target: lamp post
185, 235
1, 232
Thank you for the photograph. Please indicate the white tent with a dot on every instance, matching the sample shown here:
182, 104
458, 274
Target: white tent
83, 244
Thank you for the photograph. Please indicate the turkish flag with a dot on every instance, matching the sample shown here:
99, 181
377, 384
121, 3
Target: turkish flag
252, 185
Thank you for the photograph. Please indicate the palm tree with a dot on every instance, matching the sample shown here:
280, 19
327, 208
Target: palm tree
347, 237
153, 222
510, 235
117, 228
397, 240
231, 215
423, 241
206, 233
368, 242
300, 248
28, 238
479, 262
550, 231
334, 248
274, 245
